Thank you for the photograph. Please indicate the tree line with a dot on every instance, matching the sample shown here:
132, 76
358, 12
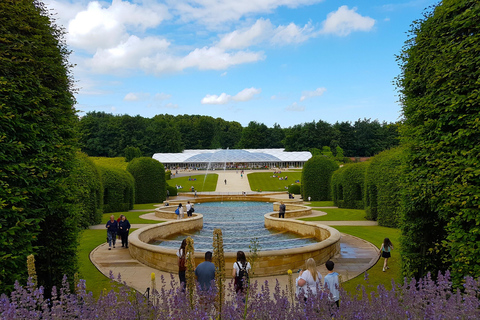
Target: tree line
108, 135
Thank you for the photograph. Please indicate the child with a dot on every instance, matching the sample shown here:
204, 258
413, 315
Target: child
331, 282
385, 249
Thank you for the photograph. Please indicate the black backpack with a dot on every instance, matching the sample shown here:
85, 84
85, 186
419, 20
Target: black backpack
242, 276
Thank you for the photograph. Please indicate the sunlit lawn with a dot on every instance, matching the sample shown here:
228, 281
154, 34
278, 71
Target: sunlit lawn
145, 206
339, 215
375, 235
265, 182
132, 217
201, 184
117, 162
320, 203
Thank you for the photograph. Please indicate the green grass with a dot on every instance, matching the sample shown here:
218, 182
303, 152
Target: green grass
118, 162
320, 203
132, 217
375, 235
95, 280
201, 184
264, 181
340, 215
144, 206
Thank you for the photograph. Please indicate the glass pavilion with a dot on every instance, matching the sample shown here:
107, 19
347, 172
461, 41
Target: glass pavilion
233, 158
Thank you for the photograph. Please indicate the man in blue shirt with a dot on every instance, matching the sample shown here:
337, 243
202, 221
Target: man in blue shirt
205, 272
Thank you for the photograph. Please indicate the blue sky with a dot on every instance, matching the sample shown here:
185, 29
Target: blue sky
270, 61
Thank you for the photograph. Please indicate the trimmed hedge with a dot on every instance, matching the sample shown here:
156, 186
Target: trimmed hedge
348, 185
294, 189
316, 175
172, 190
118, 189
383, 185
149, 175
89, 193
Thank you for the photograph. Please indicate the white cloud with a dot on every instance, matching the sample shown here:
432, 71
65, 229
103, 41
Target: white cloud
244, 95
309, 94
214, 99
295, 107
292, 34
171, 106
136, 96
344, 21
223, 74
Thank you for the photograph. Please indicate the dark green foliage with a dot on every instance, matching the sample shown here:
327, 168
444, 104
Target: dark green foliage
316, 176
172, 190
149, 175
89, 194
38, 145
132, 153
348, 186
118, 189
383, 187
294, 189
168, 174
439, 88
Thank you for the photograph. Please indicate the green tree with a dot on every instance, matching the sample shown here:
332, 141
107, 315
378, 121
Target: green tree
38, 145
316, 176
439, 90
132, 153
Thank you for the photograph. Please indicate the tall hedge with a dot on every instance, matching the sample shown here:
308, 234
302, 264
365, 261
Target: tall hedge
383, 187
38, 145
89, 194
439, 87
316, 175
348, 186
150, 184
118, 189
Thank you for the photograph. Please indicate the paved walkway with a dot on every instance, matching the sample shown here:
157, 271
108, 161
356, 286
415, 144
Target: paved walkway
355, 257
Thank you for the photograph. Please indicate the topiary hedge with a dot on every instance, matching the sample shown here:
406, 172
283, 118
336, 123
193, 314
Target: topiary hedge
316, 175
172, 190
149, 175
383, 185
294, 189
89, 193
348, 186
118, 189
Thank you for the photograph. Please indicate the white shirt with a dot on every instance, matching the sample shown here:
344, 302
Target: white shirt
237, 270
179, 253
189, 206
310, 283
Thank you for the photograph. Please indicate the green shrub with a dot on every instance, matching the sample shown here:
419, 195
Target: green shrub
439, 88
172, 190
168, 175
348, 186
90, 191
149, 175
294, 189
118, 189
316, 176
383, 185
132, 153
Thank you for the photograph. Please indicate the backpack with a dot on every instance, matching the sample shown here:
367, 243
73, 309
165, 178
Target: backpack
192, 209
177, 211
242, 277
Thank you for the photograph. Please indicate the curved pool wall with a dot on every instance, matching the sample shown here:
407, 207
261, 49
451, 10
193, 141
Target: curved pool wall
273, 262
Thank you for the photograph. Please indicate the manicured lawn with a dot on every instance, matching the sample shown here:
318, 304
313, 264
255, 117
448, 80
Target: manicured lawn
320, 203
202, 183
132, 217
340, 215
144, 206
118, 162
95, 280
375, 235
265, 182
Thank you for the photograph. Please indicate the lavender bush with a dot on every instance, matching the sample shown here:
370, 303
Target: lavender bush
424, 299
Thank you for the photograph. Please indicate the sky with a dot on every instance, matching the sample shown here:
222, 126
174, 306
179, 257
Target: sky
282, 62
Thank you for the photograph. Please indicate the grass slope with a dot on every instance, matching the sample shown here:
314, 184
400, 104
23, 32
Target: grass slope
339, 215
201, 184
264, 181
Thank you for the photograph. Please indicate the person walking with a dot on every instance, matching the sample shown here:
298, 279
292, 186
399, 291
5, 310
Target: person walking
182, 263
331, 282
123, 230
309, 279
240, 272
281, 210
189, 209
205, 272
112, 228
385, 249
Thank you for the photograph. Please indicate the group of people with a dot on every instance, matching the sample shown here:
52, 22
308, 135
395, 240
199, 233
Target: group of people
180, 211
120, 227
